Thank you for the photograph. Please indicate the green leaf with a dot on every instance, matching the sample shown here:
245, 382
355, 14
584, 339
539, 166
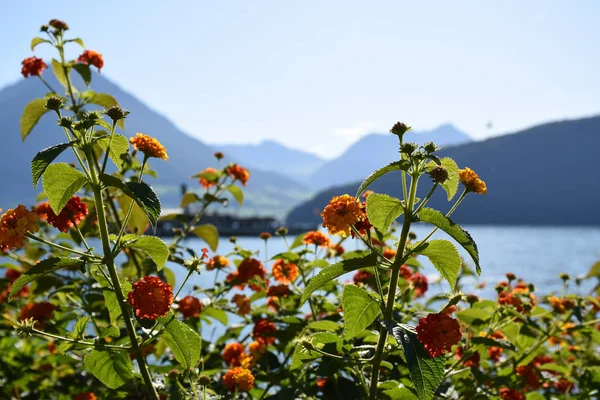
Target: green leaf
471, 314
32, 113
156, 249
138, 221
209, 234
594, 271
61, 182
37, 40
383, 210
561, 369
40, 269
395, 166
140, 192
426, 372
451, 184
298, 241
534, 396
118, 147
84, 71
217, 314
76, 40
360, 310
111, 331
457, 233
444, 256
334, 270
113, 369
107, 101
183, 341
489, 342
110, 298
44, 158
59, 72
79, 328
237, 193
189, 198
324, 325
324, 341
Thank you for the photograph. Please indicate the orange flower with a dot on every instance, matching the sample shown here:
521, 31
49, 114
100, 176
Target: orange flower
340, 214
438, 333
284, 271
249, 269
420, 284
208, 182
33, 66
265, 236
238, 173
257, 348
471, 362
190, 307
494, 353
390, 254
41, 312
263, 330
13, 226
557, 305
240, 377
471, 181
218, 262
321, 382
405, 272
85, 396
242, 302
337, 250
279, 291
233, 354
74, 211
151, 298
91, 57
317, 238
149, 146
510, 394
362, 276
528, 373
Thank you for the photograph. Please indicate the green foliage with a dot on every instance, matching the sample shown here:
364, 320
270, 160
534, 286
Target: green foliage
61, 182
37, 40
60, 72
209, 234
183, 341
31, 115
383, 210
119, 146
140, 192
360, 310
40, 269
237, 193
451, 184
113, 369
323, 341
84, 71
395, 166
44, 158
444, 257
156, 249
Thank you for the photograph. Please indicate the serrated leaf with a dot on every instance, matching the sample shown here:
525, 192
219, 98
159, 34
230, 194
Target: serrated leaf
111, 331
324, 341
470, 314
383, 210
156, 249
189, 198
217, 314
426, 372
110, 298
360, 310
455, 231
451, 184
84, 71
37, 40
324, 325
59, 72
138, 221
489, 342
40, 269
79, 328
395, 166
183, 341
32, 113
237, 193
140, 192
61, 182
334, 270
118, 147
44, 158
444, 257
107, 101
209, 234
113, 369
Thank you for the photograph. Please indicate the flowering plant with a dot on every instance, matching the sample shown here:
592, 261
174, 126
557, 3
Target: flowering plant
83, 315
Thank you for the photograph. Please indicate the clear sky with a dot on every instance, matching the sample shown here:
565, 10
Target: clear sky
318, 74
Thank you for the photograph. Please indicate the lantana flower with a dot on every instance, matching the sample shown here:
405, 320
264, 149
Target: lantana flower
151, 297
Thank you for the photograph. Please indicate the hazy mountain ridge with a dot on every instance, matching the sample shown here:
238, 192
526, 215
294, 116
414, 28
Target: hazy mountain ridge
544, 175
267, 192
376, 149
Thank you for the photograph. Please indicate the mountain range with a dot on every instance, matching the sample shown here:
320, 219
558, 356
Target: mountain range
544, 175
267, 192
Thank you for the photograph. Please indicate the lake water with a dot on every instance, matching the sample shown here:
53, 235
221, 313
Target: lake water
536, 254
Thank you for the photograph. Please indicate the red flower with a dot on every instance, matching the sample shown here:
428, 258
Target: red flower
362, 276
33, 66
238, 173
471, 362
530, 376
317, 238
438, 333
563, 385
151, 298
265, 236
284, 271
263, 330
242, 302
12, 275
420, 284
91, 57
41, 312
279, 291
405, 272
510, 394
390, 254
494, 353
249, 269
85, 396
73, 212
217, 262
190, 307
233, 354
321, 382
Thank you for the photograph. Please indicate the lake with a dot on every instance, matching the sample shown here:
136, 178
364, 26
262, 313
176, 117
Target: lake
536, 254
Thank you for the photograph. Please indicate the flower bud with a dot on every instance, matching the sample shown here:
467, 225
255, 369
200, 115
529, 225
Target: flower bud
472, 299
565, 277
44, 28
510, 276
281, 231
53, 103
233, 239
265, 236
439, 174
58, 24
219, 155
116, 113
412, 236
65, 122
430, 147
408, 147
400, 129
204, 380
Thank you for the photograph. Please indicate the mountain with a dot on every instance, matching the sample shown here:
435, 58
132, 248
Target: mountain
270, 155
267, 192
544, 175
375, 150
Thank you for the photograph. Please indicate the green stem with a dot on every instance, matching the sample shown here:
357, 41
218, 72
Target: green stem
434, 230
89, 344
112, 134
58, 246
392, 286
426, 199
47, 85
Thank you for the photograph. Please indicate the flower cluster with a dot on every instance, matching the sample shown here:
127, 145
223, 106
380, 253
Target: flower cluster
33, 66
217, 262
234, 354
263, 331
12, 275
206, 180
471, 181
284, 271
240, 377
149, 146
91, 57
151, 298
73, 212
14, 224
242, 302
316, 238
438, 333
238, 173
40, 312
520, 296
250, 269
342, 213
190, 307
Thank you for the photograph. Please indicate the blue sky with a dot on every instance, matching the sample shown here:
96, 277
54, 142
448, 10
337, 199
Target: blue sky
317, 75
